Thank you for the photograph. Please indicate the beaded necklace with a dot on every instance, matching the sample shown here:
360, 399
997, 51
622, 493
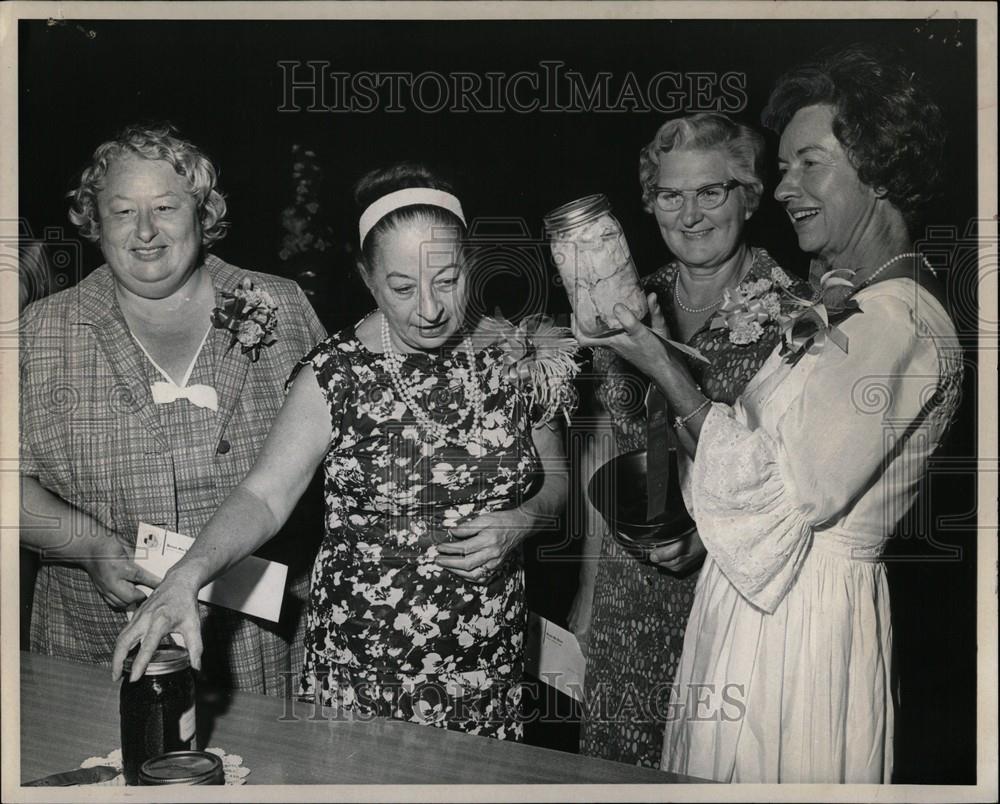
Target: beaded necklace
692, 310
696, 310
473, 394
897, 258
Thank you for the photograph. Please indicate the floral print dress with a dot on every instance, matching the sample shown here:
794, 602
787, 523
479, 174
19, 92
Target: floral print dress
639, 610
389, 632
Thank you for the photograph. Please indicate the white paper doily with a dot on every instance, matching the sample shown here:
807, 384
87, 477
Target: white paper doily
232, 765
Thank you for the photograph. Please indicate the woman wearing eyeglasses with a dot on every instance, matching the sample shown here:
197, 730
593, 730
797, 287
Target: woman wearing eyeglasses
787, 672
701, 178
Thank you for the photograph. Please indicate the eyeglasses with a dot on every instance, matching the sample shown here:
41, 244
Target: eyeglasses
710, 196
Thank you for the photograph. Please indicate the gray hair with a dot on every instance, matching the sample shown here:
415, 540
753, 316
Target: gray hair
707, 131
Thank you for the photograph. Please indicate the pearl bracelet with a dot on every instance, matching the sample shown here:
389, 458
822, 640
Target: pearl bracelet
680, 421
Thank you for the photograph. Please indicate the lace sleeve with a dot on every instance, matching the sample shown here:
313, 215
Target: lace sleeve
766, 475
756, 535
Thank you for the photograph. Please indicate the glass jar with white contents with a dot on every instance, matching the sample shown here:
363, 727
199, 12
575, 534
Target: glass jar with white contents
595, 264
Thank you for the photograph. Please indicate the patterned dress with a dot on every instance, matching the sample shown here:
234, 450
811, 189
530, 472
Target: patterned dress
92, 435
389, 632
640, 611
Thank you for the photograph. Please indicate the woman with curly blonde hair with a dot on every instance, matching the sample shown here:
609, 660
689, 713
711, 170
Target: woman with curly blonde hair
136, 407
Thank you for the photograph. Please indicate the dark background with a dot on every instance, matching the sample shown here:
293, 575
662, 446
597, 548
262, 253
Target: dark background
220, 83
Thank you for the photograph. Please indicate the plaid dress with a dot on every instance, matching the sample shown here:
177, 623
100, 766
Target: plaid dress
91, 434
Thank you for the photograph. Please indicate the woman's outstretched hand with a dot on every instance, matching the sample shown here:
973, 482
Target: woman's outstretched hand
171, 608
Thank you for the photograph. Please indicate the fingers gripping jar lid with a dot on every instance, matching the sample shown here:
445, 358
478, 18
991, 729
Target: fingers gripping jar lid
166, 659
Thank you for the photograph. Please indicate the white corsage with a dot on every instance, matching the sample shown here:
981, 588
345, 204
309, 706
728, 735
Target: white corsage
540, 355
747, 308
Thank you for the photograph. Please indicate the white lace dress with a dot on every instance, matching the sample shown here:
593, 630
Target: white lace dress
785, 670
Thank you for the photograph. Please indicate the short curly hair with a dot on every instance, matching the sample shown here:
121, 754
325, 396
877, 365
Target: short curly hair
889, 126
157, 142
707, 131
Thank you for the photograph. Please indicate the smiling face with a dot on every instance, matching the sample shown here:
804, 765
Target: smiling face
700, 237
150, 232
830, 207
418, 282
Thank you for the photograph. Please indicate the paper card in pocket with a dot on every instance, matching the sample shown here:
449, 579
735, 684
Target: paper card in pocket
552, 654
255, 586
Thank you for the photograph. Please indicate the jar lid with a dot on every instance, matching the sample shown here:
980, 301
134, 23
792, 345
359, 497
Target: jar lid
576, 212
182, 767
166, 659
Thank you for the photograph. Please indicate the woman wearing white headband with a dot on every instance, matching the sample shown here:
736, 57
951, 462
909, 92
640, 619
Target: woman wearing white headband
435, 473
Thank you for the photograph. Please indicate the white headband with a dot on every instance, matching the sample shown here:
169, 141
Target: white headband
407, 198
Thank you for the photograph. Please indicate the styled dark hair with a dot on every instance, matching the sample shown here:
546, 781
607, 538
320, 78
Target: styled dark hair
157, 143
401, 176
707, 131
889, 126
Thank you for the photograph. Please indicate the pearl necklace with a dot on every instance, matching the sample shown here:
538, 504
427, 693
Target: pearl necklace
473, 393
692, 310
897, 258
713, 305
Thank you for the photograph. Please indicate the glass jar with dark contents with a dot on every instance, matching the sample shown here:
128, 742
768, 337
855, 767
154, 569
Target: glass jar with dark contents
158, 710
183, 767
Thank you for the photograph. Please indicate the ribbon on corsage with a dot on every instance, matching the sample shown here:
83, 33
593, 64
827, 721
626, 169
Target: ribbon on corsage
539, 355
250, 315
809, 323
747, 308
805, 325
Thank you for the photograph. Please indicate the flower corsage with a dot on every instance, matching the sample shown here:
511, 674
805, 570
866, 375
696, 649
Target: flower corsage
806, 324
250, 315
750, 306
540, 355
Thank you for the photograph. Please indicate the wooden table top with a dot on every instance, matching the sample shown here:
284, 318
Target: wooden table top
69, 712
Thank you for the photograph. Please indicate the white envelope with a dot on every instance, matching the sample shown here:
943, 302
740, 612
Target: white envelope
553, 655
255, 586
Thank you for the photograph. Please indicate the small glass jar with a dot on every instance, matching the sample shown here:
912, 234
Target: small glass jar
182, 767
157, 711
595, 264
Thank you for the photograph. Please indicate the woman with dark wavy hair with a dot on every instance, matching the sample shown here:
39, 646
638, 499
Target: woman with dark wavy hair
797, 487
785, 674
